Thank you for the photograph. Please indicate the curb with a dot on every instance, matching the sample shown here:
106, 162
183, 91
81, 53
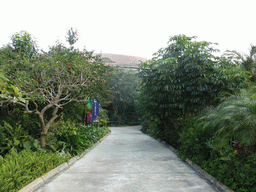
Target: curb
47, 176
209, 178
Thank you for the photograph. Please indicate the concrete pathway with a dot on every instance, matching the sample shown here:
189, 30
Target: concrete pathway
128, 160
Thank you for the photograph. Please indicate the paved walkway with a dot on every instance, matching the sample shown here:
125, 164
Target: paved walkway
128, 161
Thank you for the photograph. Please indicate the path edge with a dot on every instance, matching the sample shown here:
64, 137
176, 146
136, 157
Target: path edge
47, 176
209, 178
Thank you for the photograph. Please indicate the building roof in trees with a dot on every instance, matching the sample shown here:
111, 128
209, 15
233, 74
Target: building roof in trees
122, 60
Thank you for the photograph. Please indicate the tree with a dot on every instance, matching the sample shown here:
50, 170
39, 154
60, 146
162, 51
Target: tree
24, 44
56, 78
182, 79
72, 36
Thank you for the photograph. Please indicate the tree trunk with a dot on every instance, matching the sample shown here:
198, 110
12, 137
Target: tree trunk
43, 131
45, 128
43, 140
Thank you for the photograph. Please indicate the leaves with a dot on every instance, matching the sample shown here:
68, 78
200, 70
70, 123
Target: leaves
13, 137
19, 169
24, 44
234, 119
185, 77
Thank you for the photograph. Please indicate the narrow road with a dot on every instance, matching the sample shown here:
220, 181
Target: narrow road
128, 161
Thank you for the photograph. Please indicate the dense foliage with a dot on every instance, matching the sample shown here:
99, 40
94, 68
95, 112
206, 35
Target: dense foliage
25, 161
232, 121
19, 169
122, 109
67, 137
236, 169
43, 97
185, 77
192, 100
24, 44
181, 80
53, 79
201, 104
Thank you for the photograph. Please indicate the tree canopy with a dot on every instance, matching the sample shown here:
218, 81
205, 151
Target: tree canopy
55, 78
185, 77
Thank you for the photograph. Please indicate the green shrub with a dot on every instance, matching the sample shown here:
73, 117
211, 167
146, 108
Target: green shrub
14, 137
71, 138
74, 112
238, 173
29, 122
103, 117
91, 134
19, 169
62, 136
193, 142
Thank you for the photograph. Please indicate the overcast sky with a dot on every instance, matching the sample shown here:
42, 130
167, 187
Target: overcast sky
131, 27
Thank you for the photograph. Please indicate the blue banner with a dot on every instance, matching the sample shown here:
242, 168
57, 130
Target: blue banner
95, 110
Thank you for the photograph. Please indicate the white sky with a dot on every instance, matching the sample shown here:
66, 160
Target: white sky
131, 27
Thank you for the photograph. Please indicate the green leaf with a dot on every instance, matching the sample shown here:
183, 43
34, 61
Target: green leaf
22, 99
16, 142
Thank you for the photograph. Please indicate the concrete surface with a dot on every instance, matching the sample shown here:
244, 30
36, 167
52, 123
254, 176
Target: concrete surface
128, 161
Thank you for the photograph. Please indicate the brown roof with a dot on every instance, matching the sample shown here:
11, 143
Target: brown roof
122, 60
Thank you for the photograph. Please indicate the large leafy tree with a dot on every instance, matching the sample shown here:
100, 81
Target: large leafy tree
55, 78
183, 78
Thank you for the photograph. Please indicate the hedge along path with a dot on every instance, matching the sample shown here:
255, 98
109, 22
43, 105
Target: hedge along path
46, 177
128, 160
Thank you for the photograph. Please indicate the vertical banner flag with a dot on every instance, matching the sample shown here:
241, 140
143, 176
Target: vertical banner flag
96, 109
93, 117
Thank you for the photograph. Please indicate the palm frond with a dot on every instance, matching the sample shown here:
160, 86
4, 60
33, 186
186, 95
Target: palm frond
235, 118
234, 53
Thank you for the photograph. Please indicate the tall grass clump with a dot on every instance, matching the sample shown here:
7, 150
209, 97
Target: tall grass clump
19, 169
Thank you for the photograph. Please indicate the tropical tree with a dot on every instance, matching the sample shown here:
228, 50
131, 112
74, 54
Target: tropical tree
181, 80
56, 78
